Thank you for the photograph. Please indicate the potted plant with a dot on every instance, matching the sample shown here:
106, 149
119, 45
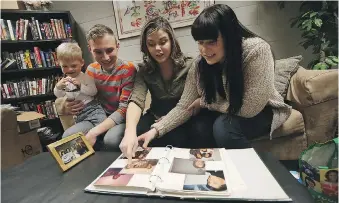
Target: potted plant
318, 21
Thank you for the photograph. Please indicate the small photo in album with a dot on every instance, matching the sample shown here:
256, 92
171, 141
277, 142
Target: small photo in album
186, 166
113, 177
141, 153
210, 181
145, 166
206, 154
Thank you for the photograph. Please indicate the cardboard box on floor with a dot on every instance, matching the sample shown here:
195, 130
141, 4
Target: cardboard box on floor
17, 147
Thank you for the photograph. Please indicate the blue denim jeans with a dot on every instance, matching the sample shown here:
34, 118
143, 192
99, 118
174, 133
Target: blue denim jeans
213, 129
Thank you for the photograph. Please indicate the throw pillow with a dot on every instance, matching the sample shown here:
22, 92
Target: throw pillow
284, 70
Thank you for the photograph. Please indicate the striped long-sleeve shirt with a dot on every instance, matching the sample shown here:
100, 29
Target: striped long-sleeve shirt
114, 88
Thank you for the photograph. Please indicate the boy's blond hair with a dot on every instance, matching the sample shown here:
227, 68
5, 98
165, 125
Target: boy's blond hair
98, 31
69, 51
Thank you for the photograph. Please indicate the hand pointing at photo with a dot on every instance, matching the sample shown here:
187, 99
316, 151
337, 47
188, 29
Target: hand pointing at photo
129, 144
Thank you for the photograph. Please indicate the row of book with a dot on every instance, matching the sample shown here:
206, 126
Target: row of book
47, 108
18, 30
29, 87
35, 58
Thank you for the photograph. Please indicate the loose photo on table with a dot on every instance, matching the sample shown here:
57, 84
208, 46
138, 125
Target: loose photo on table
186, 166
205, 154
71, 150
145, 166
210, 181
113, 177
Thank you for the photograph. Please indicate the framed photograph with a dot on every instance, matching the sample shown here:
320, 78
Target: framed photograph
130, 16
70, 150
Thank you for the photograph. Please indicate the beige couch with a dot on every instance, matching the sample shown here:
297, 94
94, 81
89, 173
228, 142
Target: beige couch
314, 98
313, 94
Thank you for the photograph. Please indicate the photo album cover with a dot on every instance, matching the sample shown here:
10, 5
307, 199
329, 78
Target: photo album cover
174, 172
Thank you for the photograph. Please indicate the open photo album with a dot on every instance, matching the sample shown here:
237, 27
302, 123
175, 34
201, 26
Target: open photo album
177, 172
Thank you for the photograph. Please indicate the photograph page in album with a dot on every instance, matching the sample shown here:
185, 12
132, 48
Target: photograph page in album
134, 178
198, 172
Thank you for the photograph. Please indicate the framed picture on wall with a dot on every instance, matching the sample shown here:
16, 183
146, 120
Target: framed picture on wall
130, 16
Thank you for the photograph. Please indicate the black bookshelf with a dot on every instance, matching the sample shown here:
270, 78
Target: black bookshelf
30, 98
54, 68
46, 42
34, 41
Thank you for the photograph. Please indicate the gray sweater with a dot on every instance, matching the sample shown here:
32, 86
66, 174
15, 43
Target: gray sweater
259, 90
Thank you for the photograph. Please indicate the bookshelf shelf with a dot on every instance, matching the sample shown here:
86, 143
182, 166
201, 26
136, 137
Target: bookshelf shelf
34, 41
33, 12
55, 68
35, 97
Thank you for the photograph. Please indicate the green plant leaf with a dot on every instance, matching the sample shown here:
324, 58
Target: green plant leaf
318, 22
324, 44
320, 66
314, 31
330, 62
313, 14
334, 59
305, 14
307, 24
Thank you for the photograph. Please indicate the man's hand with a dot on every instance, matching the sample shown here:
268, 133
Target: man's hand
195, 107
61, 84
74, 107
147, 137
91, 136
129, 144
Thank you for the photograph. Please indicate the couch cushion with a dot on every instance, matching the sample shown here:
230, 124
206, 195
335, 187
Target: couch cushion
294, 126
284, 70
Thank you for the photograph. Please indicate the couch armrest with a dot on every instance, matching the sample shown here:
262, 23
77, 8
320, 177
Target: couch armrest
315, 94
309, 87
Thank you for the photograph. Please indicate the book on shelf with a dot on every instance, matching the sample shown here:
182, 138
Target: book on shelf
189, 173
47, 108
8, 64
35, 58
18, 30
29, 87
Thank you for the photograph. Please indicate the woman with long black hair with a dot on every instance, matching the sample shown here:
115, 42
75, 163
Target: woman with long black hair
234, 77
